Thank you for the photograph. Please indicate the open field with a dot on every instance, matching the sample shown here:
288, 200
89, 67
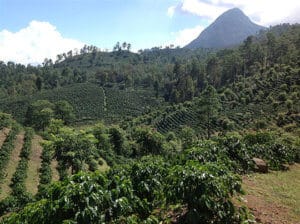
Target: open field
274, 197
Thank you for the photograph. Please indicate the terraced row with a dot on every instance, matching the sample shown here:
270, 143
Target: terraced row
176, 120
30, 173
90, 102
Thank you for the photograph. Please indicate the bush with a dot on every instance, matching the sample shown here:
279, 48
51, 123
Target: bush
5, 120
260, 124
282, 96
261, 137
150, 141
131, 192
206, 189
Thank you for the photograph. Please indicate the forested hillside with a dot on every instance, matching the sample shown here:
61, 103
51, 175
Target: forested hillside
158, 136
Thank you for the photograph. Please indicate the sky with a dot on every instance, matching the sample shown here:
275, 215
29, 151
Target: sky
32, 30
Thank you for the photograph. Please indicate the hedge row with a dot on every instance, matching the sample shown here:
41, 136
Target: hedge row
19, 196
6, 149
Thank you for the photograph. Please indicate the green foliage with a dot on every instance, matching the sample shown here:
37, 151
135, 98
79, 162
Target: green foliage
131, 193
272, 148
39, 114
251, 87
149, 141
259, 138
104, 142
116, 136
6, 149
206, 189
64, 111
85, 198
72, 149
187, 136
148, 178
5, 120
209, 104
45, 170
89, 102
236, 152
19, 197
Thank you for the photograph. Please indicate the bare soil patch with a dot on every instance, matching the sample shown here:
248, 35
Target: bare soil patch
34, 165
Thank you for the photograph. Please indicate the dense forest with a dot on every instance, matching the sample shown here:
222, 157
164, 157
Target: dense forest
158, 136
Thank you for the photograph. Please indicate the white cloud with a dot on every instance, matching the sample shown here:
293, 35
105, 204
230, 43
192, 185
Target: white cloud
171, 11
264, 12
34, 43
185, 36
201, 8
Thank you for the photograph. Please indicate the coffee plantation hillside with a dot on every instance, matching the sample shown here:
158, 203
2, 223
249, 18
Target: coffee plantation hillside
150, 175
26, 164
179, 129
89, 101
163, 70
270, 99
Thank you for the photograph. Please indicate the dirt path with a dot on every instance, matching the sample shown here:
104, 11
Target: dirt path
55, 174
274, 198
104, 100
12, 165
3, 134
34, 165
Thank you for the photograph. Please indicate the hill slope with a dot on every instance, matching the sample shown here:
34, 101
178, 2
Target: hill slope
90, 102
229, 29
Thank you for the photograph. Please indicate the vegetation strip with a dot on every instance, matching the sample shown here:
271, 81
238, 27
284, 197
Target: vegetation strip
104, 100
6, 150
12, 165
3, 134
18, 179
19, 196
46, 173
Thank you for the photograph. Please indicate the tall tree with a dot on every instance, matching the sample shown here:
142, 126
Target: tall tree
39, 83
64, 111
209, 105
117, 139
73, 149
39, 114
213, 71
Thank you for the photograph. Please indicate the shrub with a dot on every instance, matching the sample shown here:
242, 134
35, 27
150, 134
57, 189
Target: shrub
282, 96
5, 120
206, 189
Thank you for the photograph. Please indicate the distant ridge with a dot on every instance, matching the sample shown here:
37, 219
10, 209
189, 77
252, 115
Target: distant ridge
228, 30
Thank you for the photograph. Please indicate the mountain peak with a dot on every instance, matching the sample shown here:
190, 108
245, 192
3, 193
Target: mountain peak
234, 10
228, 30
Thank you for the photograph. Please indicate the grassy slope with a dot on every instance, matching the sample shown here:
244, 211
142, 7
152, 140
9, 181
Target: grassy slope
11, 166
274, 197
34, 165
